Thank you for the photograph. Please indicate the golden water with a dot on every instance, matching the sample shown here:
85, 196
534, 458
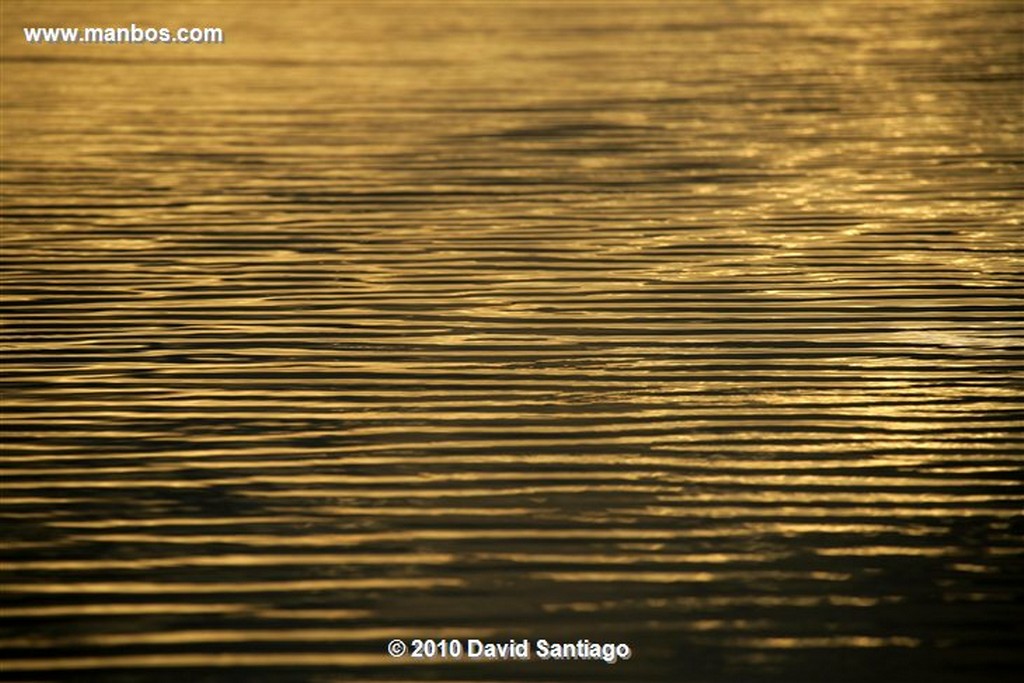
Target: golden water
694, 326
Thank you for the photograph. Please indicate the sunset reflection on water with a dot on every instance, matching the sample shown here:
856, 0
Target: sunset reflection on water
687, 325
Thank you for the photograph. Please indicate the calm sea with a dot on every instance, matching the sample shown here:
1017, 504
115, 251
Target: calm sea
692, 326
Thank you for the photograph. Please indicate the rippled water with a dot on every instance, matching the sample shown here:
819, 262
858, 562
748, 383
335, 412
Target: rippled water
694, 326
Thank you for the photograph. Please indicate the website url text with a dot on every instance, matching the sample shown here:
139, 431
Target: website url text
123, 34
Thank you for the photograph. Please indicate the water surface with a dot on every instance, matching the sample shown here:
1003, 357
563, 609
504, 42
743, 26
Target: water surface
694, 326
